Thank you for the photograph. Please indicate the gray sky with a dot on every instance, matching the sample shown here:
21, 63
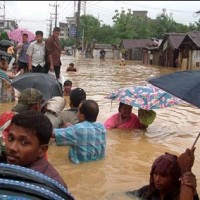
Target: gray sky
34, 15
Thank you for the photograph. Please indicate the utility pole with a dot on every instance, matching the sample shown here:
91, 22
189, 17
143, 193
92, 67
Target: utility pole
50, 25
84, 7
83, 43
3, 16
56, 12
78, 24
75, 8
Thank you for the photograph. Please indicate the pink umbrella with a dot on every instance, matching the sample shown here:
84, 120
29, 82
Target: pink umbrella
16, 35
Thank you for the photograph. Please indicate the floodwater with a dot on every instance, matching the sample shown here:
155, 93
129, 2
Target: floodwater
129, 153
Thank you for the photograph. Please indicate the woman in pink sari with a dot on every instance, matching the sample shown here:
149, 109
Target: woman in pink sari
124, 119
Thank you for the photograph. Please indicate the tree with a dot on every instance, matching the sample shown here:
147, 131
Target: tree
128, 26
90, 25
164, 24
105, 35
67, 42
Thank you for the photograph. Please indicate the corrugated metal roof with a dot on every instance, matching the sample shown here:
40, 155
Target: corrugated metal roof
195, 37
136, 43
175, 39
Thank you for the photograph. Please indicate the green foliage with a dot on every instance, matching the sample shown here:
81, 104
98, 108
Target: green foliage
4, 36
128, 26
90, 25
67, 42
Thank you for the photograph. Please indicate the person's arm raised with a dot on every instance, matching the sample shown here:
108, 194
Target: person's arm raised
186, 161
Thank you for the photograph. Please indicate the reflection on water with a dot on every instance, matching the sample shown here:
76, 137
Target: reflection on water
129, 154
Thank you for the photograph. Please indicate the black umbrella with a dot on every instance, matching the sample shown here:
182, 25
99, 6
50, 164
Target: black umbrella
47, 84
5, 43
3, 53
182, 84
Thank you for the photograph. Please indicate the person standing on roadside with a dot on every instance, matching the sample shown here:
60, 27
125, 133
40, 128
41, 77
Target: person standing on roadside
22, 56
53, 51
36, 54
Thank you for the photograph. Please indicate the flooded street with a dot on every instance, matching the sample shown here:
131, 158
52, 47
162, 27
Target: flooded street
129, 154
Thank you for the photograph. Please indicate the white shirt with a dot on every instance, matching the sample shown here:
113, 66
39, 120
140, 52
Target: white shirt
37, 51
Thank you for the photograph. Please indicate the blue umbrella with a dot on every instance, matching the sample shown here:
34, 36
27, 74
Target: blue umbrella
183, 84
146, 97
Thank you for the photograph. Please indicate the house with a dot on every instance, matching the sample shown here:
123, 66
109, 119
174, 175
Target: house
132, 49
151, 53
169, 50
63, 30
8, 25
190, 51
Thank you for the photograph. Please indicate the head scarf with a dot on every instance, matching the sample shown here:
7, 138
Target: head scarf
166, 164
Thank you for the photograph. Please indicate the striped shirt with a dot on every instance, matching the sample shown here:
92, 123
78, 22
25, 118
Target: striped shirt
86, 140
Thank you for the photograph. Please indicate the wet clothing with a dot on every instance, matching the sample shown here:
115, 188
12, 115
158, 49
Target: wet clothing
102, 54
54, 106
145, 193
69, 116
44, 167
114, 122
71, 69
87, 141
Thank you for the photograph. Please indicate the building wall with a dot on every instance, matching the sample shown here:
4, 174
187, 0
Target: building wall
63, 31
8, 25
195, 59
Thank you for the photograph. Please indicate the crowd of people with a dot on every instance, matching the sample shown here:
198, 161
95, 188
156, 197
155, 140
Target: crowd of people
25, 143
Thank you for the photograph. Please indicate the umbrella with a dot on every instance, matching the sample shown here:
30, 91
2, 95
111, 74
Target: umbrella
6, 56
16, 35
183, 84
3, 53
146, 97
47, 84
5, 43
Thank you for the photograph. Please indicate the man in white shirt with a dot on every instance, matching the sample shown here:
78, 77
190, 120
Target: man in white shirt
36, 53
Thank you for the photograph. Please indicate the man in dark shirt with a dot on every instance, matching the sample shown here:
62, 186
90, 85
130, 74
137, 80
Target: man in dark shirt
53, 52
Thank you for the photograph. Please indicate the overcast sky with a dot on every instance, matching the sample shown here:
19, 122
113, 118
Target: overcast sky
35, 15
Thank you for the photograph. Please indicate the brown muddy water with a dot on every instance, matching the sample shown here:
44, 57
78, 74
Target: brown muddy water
129, 153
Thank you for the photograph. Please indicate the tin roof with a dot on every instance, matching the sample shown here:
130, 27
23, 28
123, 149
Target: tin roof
136, 43
175, 39
195, 37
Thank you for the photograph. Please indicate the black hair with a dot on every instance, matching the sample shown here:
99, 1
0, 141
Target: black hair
39, 33
121, 104
67, 82
25, 34
71, 64
35, 122
77, 95
90, 109
56, 29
